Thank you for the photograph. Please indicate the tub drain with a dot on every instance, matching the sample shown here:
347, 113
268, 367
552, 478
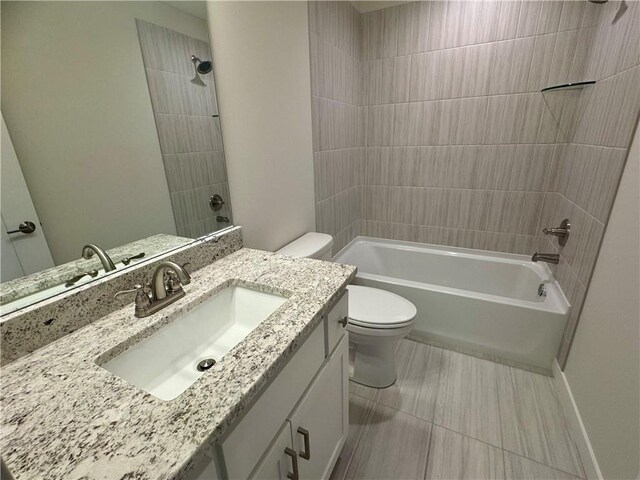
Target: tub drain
206, 364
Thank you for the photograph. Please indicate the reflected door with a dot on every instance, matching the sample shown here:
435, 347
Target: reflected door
22, 253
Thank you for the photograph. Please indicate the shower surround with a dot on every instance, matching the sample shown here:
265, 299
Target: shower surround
186, 115
429, 124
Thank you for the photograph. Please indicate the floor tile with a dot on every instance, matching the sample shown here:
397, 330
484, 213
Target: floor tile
359, 410
520, 468
532, 421
416, 388
363, 391
467, 398
454, 456
393, 445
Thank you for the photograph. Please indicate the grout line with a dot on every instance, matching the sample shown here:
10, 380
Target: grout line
541, 463
360, 435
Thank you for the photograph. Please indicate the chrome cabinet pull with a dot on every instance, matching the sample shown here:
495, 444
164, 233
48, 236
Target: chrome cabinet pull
25, 227
344, 321
294, 464
307, 448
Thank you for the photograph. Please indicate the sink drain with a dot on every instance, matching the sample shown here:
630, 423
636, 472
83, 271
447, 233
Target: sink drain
206, 364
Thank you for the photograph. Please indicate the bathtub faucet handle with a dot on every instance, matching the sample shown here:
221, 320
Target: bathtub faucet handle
562, 232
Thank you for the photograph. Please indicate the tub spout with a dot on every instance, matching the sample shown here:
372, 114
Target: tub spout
545, 257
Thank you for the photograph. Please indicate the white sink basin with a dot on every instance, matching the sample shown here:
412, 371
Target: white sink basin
165, 364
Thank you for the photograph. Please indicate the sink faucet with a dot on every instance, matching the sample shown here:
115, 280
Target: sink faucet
89, 250
166, 288
545, 257
168, 279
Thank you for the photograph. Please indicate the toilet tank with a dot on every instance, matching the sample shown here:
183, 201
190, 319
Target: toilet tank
310, 245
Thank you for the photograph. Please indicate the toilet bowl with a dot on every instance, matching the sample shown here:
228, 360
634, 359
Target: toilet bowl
378, 319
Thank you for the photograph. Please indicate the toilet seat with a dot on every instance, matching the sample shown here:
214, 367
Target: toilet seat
374, 309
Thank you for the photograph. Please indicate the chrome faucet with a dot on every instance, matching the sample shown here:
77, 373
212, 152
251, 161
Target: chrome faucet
89, 250
545, 257
166, 288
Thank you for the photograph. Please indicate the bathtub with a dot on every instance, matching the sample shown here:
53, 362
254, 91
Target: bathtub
482, 302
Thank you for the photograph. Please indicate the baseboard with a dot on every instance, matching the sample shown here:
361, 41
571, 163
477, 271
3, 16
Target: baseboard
589, 461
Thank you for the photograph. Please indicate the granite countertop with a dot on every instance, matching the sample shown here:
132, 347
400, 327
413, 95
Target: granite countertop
65, 417
35, 282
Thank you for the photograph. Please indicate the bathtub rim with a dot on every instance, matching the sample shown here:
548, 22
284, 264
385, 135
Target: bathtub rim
560, 305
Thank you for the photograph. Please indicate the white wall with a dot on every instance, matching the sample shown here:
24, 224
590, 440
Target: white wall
603, 369
77, 106
261, 64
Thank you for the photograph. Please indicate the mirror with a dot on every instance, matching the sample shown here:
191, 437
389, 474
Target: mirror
111, 140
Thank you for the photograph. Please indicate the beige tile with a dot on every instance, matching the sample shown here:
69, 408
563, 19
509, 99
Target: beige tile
416, 388
528, 19
380, 126
541, 61
391, 434
550, 14
531, 165
508, 19
522, 55
532, 421
452, 455
563, 55
436, 28
467, 397
571, 16
520, 468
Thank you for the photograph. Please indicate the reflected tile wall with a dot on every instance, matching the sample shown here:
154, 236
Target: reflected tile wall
186, 110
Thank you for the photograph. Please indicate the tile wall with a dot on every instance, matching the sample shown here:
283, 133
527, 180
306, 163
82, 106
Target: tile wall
598, 124
186, 114
460, 146
338, 109
460, 142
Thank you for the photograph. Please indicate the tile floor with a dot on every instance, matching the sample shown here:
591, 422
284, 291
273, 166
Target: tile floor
453, 416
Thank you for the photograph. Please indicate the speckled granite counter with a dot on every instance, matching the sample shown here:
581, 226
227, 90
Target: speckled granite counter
150, 246
64, 417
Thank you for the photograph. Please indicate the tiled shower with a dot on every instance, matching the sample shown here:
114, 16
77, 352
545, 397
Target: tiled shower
429, 124
187, 119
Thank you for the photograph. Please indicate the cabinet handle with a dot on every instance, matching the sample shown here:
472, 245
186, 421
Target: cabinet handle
294, 464
344, 321
307, 448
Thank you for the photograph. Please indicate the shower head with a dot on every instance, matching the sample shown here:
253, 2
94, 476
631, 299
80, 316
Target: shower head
202, 67
598, 1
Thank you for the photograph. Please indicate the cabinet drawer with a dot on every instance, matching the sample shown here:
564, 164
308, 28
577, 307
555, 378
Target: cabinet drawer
250, 438
336, 322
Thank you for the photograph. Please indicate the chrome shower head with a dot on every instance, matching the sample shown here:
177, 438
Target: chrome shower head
202, 66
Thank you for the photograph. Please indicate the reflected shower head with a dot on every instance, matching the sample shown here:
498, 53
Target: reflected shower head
202, 67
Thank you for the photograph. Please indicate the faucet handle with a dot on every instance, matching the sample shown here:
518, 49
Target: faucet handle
142, 297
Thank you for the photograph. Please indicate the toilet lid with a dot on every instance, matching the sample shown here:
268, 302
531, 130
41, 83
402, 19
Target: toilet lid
376, 308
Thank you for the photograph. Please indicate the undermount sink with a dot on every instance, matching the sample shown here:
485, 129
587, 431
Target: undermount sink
168, 362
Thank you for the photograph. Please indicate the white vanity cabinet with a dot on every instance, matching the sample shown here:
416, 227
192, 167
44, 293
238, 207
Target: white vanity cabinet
297, 427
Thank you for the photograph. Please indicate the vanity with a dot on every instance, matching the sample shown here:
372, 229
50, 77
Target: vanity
124, 395
234, 368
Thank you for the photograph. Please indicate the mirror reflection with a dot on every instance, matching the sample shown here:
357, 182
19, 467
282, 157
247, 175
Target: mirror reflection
133, 163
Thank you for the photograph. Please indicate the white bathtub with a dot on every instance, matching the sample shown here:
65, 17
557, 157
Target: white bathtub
484, 302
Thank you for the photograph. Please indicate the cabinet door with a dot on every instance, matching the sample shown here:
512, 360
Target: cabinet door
280, 461
320, 422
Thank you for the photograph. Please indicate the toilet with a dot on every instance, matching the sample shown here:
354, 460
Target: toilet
378, 319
